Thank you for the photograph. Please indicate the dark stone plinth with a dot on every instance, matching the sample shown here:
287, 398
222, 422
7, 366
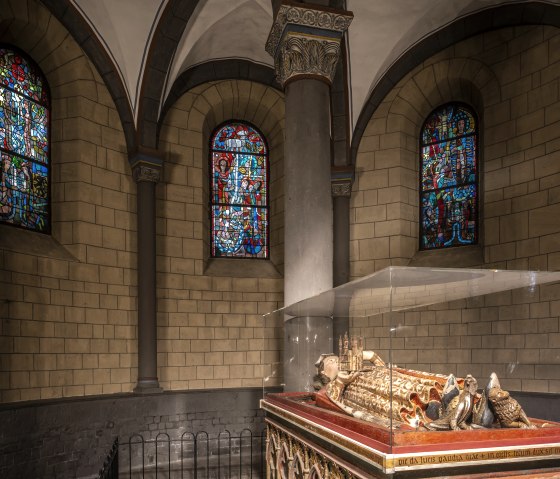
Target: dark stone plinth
71, 437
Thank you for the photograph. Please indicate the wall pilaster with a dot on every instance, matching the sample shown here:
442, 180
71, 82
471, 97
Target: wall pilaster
146, 170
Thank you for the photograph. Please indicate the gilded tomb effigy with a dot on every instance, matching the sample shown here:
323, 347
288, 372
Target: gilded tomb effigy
417, 421
361, 415
373, 392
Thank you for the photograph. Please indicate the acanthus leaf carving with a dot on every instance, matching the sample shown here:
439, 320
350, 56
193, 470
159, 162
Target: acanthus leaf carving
312, 52
307, 56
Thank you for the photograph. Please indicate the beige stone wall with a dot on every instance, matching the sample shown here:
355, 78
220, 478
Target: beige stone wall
210, 329
511, 78
68, 302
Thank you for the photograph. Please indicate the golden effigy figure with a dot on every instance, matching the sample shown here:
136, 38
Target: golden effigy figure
359, 383
377, 393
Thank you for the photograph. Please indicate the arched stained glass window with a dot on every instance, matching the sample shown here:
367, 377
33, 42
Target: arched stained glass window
239, 192
449, 178
24, 142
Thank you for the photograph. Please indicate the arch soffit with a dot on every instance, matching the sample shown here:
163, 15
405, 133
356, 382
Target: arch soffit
47, 43
168, 32
200, 80
167, 35
458, 79
67, 14
526, 13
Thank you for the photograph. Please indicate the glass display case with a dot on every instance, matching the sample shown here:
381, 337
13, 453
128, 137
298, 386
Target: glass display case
409, 370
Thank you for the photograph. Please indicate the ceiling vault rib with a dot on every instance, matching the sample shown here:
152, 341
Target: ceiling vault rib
166, 37
69, 16
145, 55
492, 18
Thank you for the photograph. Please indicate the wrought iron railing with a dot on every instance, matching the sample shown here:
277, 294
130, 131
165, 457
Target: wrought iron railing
195, 456
110, 469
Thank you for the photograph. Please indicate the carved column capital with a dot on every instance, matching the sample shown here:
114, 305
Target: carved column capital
146, 165
306, 41
342, 179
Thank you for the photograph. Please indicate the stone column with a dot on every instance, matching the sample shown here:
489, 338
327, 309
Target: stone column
146, 170
305, 44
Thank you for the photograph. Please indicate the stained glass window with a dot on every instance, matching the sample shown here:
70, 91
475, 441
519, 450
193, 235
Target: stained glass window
24, 143
239, 192
449, 178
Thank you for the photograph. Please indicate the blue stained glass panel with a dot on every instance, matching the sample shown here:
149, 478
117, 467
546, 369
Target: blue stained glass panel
24, 193
23, 126
449, 217
450, 163
448, 122
239, 137
19, 75
449, 179
240, 232
239, 192
24, 142
239, 179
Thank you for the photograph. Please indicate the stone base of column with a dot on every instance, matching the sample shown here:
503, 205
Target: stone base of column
147, 386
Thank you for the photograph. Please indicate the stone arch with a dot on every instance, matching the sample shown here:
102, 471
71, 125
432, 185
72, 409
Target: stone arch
511, 77
68, 15
83, 113
391, 140
162, 48
500, 16
93, 220
38, 33
243, 100
185, 132
262, 106
457, 79
183, 225
217, 70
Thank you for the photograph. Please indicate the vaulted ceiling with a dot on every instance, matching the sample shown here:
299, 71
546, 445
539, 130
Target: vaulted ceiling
153, 42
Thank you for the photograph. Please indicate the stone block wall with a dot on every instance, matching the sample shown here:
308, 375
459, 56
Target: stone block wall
511, 78
514, 334
69, 299
210, 328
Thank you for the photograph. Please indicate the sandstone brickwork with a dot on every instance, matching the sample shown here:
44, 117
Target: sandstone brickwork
70, 300
210, 326
511, 78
